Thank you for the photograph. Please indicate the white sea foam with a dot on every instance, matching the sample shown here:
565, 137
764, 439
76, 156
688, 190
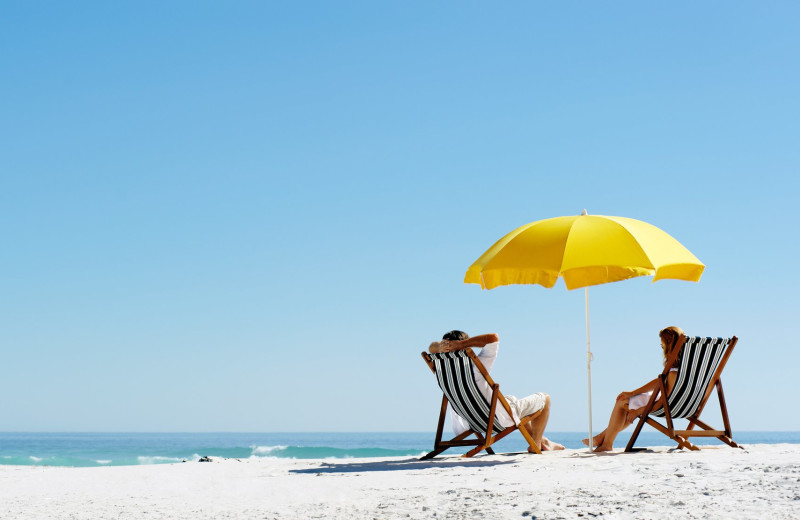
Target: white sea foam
157, 459
103, 461
36, 459
262, 451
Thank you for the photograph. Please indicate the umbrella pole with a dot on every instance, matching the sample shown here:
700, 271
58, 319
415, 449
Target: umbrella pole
589, 370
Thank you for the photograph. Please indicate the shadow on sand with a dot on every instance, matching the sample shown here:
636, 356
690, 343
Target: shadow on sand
408, 464
585, 454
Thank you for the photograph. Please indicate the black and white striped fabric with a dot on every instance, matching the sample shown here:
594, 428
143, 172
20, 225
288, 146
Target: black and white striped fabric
454, 371
698, 363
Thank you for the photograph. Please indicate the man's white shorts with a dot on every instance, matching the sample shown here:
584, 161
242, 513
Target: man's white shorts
528, 405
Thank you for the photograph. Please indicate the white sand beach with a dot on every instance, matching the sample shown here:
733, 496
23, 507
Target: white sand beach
755, 482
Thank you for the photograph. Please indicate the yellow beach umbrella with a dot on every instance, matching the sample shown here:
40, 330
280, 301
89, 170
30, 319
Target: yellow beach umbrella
584, 250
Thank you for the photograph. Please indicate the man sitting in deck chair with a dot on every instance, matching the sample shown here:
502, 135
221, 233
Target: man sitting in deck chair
489, 343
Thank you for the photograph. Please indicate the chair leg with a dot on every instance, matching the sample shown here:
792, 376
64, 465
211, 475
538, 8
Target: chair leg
432, 454
635, 435
730, 442
645, 416
487, 439
474, 451
725, 420
682, 442
724, 438
439, 447
440, 424
524, 431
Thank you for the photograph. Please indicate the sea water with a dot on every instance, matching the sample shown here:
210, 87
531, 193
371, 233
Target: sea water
122, 449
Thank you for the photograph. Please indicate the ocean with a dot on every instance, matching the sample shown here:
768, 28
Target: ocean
124, 449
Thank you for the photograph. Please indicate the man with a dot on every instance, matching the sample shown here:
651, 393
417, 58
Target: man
489, 343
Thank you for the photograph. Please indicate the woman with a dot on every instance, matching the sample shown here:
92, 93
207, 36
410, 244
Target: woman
630, 405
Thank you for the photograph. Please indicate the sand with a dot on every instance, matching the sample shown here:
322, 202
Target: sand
758, 481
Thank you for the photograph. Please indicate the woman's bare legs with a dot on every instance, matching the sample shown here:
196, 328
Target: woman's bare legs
621, 418
597, 440
616, 423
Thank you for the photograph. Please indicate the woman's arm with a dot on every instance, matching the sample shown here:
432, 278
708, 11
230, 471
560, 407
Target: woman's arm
652, 385
671, 378
647, 387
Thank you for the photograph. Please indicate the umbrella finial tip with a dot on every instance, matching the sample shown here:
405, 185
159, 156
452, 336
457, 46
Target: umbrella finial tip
584, 212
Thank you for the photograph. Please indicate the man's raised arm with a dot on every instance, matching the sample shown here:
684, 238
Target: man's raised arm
450, 346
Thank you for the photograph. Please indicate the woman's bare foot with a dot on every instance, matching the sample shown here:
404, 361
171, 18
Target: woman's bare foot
548, 445
598, 439
601, 449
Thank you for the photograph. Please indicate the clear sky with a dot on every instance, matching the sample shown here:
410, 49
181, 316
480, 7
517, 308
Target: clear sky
253, 216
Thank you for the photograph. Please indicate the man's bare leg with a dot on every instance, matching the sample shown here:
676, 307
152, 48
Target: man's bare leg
548, 445
536, 429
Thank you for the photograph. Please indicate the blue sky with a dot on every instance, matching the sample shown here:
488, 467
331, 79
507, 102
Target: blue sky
254, 216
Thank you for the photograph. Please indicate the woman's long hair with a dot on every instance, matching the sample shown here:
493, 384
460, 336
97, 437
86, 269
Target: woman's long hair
669, 336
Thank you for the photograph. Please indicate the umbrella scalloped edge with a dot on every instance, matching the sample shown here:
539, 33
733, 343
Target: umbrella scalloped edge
496, 278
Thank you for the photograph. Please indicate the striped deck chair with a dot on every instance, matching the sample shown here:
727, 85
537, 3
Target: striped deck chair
455, 375
701, 361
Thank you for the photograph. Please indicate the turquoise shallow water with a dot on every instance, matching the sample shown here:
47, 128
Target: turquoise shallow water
121, 449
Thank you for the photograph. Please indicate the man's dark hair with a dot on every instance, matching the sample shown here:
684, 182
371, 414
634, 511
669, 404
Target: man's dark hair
455, 335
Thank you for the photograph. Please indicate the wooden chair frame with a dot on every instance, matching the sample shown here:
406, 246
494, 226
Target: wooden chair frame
484, 440
660, 397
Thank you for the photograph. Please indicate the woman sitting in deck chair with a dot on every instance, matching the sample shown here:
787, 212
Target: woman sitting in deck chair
630, 405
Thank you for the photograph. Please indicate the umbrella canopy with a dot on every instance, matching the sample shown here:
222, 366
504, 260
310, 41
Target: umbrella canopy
584, 250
